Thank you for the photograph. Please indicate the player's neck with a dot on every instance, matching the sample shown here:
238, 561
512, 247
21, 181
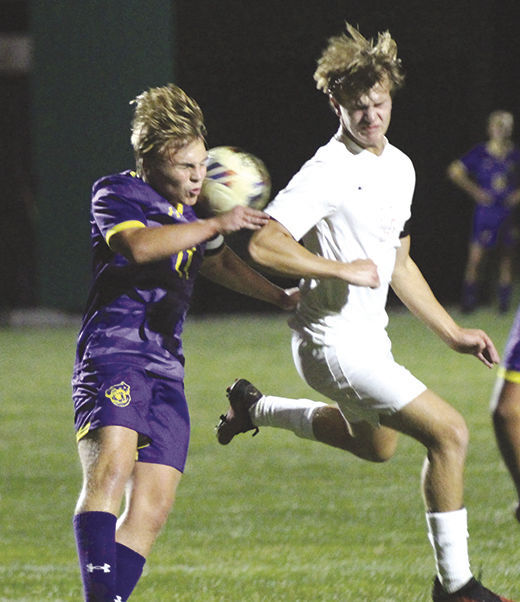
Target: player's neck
499, 147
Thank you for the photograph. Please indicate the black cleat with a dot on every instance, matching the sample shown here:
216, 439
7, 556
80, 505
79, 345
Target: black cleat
473, 591
242, 395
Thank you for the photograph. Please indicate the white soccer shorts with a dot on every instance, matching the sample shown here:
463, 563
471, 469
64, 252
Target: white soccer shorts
365, 381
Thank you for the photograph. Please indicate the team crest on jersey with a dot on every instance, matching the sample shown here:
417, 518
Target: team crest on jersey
119, 394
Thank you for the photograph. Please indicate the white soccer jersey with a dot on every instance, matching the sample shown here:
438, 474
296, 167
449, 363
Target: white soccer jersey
347, 204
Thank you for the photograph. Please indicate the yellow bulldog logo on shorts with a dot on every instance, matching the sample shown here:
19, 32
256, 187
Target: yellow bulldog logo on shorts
119, 394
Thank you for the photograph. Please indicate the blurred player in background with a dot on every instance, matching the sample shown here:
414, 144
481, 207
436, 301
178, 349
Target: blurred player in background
505, 407
490, 174
350, 204
131, 415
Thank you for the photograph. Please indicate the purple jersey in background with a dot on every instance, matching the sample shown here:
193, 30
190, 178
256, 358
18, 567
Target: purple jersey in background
498, 176
135, 311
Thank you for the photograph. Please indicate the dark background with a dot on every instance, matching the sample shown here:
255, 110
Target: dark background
250, 64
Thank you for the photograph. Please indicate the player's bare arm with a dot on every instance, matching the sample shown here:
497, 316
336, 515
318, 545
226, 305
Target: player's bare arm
142, 245
229, 270
274, 247
458, 174
412, 289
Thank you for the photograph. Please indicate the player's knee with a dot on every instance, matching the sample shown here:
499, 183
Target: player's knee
109, 479
453, 435
155, 514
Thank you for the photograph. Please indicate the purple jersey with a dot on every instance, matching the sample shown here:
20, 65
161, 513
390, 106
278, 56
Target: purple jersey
135, 312
498, 176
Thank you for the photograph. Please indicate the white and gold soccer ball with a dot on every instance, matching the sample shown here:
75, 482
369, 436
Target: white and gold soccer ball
234, 177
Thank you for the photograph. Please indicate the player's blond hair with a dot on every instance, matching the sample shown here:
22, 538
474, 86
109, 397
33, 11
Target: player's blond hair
164, 118
351, 65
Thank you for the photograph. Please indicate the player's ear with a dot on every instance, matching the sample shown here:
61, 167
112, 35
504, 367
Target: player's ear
334, 105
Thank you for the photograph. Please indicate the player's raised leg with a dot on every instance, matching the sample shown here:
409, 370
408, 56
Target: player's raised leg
249, 409
429, 420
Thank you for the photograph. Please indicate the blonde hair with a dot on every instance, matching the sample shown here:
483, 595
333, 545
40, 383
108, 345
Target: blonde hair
351, 65
164, 118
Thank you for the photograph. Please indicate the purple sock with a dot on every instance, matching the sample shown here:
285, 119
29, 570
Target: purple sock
95, 534
504, 297
129, 569
469, 296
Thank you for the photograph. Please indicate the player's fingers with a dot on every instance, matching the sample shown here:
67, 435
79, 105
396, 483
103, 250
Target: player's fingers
254, 223
492, 354
250, 212
485, 360
259, 219
489, 349
488, 355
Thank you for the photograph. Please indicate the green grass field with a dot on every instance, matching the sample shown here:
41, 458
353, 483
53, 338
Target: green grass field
270, 518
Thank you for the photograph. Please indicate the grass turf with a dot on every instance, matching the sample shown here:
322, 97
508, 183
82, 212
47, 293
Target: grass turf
270, 518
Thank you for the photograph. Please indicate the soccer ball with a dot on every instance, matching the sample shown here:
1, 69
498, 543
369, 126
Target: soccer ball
234, 177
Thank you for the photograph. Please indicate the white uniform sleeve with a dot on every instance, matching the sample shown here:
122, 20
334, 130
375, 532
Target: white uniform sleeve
305, 201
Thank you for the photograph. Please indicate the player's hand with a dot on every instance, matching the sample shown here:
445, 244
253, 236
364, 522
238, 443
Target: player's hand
482, 197
361, 272
513, 199
240, 217
289, 298
477, 343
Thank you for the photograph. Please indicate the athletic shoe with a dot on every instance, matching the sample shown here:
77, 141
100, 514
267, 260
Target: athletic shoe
242, 395
473, 591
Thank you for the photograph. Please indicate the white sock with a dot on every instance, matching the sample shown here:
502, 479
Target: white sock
292, 414
448, 534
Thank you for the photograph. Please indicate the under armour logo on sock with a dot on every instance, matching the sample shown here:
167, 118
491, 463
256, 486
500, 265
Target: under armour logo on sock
118, 599
94, 567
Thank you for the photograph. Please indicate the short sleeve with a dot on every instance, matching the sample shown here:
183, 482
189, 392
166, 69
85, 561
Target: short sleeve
305, 201
114, 210
472, 159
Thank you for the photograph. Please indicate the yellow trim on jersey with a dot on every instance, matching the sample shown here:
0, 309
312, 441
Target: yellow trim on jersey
176, 210
132, 223
186, 267
83, 431
511, 376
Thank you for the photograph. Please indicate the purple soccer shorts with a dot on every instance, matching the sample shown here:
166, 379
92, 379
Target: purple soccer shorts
127, 395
